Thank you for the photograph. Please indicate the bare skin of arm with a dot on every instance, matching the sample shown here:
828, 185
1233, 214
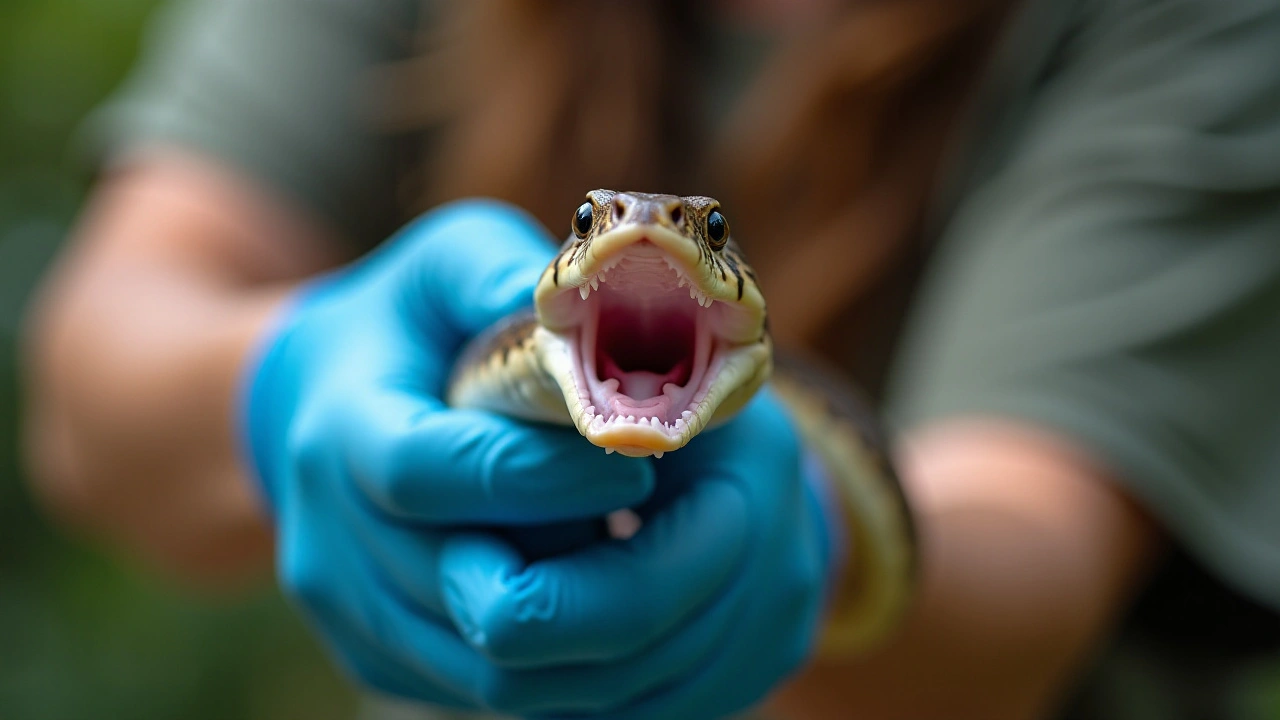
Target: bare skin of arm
133, 358
134, 361
1029, 554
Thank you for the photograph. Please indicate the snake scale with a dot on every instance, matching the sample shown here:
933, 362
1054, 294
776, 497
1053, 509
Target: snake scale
648, 327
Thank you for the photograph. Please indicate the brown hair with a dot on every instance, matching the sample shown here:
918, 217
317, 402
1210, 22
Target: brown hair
825, 165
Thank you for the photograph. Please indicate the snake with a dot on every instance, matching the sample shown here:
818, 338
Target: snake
649, 327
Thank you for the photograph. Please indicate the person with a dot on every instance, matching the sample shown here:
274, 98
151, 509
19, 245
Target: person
1041, 234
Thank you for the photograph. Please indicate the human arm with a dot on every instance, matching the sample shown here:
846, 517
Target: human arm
1102, 305
227, 177
1028, 554
134, 353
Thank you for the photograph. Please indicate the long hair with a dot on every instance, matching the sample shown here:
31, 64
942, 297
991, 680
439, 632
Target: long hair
826, 162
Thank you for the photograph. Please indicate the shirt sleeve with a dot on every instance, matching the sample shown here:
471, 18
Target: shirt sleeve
1117, 278
279, 89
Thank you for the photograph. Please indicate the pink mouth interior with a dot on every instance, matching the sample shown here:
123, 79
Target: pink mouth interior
645, 343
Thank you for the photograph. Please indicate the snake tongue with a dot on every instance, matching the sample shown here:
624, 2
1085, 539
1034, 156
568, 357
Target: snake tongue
641, 397
643, 385
650, 408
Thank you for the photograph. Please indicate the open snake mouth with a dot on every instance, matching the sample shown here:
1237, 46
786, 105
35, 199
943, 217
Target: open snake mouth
652, 354
646, 342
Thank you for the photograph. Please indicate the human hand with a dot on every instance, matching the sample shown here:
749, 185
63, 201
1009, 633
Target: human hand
698, 616
372, 480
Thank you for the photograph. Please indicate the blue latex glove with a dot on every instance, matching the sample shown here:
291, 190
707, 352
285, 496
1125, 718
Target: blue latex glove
373, 482
706, 609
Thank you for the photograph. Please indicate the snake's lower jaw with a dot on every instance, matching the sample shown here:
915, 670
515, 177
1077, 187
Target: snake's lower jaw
733, 376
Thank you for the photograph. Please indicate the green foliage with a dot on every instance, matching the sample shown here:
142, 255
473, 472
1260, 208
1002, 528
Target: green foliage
82, 635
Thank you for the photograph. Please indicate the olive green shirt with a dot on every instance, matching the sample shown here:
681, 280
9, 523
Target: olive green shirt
1105, 262
1110, 264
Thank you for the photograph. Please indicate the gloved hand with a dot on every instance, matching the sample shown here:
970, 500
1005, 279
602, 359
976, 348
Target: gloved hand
373, 482
698, 616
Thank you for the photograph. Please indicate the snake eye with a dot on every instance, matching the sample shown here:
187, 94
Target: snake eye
582, 218
717, 229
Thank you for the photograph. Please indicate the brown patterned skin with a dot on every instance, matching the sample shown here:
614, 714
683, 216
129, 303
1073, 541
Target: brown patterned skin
686, 215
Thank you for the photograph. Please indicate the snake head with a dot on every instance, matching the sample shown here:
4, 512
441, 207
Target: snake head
651, 321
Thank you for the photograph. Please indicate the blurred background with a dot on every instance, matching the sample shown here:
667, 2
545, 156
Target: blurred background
83, 635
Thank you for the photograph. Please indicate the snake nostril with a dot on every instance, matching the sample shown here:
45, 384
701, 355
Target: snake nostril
619, 211
677, 215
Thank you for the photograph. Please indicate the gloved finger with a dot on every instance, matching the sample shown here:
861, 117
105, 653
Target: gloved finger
603, 688
471, 263
538, 542
731, 679
408, 556
583, 687
759, 450
606, 602
371, 628
417, 460
757, 446
374, 670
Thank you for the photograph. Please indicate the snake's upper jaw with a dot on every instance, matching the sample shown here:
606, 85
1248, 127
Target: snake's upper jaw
651, 356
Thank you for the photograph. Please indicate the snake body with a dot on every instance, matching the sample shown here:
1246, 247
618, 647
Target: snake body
648, 327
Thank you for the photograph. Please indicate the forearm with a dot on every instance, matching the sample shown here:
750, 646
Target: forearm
1028, 554
130, 425
134, 363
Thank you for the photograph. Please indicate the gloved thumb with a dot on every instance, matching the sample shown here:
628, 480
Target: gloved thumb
469, 264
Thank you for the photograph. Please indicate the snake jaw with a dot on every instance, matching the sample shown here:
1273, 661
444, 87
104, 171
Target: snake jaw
645, 350
584, 269
736, 374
